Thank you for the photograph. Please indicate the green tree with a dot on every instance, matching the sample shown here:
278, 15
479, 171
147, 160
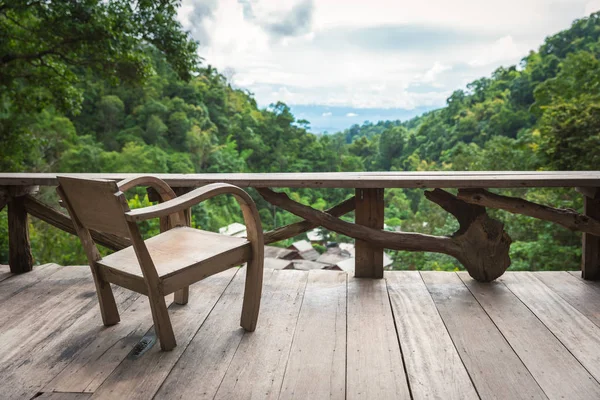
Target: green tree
47, 46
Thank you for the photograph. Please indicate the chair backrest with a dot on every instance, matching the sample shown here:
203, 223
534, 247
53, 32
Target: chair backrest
97, 204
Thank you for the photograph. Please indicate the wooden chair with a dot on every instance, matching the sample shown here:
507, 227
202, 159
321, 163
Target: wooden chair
166, 263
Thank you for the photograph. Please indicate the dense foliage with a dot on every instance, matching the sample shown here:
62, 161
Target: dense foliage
136, 112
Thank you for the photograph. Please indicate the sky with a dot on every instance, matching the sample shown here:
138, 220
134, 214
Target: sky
342, 62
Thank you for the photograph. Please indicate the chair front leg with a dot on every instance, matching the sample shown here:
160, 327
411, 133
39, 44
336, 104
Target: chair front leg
162, 322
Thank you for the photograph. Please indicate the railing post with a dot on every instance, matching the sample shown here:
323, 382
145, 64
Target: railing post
590, 263
369, 212
19, 248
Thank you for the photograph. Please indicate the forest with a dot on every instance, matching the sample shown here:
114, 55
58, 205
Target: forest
118, 88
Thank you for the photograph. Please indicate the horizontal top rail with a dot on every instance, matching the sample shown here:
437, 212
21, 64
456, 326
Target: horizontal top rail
445, 179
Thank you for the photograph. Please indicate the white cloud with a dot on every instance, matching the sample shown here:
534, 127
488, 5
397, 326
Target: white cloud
592, 6
350, 114
326, 114
278, 63
431, 75
501, 50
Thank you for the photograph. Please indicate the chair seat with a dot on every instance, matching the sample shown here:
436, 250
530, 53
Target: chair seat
178, 250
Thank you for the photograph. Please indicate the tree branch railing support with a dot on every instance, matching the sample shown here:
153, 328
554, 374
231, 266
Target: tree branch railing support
481, 244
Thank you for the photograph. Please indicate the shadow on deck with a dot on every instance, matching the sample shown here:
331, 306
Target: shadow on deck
321, 334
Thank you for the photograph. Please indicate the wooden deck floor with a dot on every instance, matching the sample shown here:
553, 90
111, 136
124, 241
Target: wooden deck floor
321, 334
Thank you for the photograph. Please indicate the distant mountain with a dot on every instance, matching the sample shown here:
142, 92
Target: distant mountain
327, 119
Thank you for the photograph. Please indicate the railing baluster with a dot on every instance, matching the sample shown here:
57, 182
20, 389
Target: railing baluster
590, 263
369, 212
19, 248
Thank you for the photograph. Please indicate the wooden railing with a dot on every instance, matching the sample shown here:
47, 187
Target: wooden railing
480, 244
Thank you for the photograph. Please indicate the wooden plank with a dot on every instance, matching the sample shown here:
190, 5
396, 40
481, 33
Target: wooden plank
19, 248
369, 212
576, 332
140, 378
590, 263
438, 179
30, 316
105, 347
257, 368
201, 368
27, 371
374, 362
20, 283
494, 368
434, 368
558, 373
317, 364
5, 272
581, 294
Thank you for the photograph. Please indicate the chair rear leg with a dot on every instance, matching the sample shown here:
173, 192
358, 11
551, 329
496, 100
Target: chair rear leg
108, 306
182, 295
252, 294
162, 322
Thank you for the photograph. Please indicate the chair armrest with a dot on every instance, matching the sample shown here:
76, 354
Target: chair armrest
249, 210
161, 187
185, 201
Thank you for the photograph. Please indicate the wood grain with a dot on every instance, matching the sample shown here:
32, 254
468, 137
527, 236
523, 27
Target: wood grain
22, 282
434, 179
434, 368
5, 272
576, 332
108, 307
177, 248
590, 263
558, 373
581, 294
19, 248
317, 364
481, 244
35, 365
257, 368
569, 219
63, 222
369, 212
97, 204
105, 347
375, 368
201, 368
289, 231
141, 378
27, 310
494, 368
